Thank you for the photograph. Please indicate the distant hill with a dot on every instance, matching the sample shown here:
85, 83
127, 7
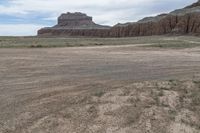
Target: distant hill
178, 22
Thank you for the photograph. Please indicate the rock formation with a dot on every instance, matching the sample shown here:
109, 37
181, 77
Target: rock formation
181, 21
75, 24
77, 21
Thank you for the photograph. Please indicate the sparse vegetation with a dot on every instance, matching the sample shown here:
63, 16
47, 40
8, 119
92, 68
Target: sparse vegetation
150, 41
36, 46
176, 45
196, 98
99, 93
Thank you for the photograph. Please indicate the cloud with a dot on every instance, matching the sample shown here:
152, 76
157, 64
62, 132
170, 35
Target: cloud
107, 12
116, 9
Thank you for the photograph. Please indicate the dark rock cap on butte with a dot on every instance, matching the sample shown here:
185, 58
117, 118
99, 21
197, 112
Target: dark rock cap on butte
77, 20
74, 16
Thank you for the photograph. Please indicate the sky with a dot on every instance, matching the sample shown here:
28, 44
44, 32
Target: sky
25, 17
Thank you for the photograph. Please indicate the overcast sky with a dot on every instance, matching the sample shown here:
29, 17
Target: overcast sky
25, 17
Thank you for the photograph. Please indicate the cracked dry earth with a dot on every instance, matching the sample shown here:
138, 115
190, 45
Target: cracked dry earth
123, 89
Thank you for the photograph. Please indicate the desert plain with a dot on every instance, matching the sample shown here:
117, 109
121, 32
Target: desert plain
100, 85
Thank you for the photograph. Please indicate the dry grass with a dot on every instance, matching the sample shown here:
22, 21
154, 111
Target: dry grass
156, 41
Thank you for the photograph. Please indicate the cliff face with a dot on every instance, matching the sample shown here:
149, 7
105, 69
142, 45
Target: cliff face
181, 21
75, 24
70, 20
170, 24
74, 32
77, 20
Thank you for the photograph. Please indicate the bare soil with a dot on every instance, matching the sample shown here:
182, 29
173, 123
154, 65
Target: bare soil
106, 89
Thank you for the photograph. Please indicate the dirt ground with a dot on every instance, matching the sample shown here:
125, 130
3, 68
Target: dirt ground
105, 89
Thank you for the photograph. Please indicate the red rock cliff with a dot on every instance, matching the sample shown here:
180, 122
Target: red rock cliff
181, 21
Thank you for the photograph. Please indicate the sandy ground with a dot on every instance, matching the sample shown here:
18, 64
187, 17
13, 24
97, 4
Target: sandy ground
98, 89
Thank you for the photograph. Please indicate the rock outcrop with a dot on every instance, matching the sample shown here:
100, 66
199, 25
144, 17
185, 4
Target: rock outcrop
75, 24
181, 21
77, 21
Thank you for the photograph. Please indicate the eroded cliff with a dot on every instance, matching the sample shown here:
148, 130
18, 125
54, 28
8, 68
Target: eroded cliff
181, 21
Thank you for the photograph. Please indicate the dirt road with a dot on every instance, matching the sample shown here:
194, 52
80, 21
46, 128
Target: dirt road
38, 86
